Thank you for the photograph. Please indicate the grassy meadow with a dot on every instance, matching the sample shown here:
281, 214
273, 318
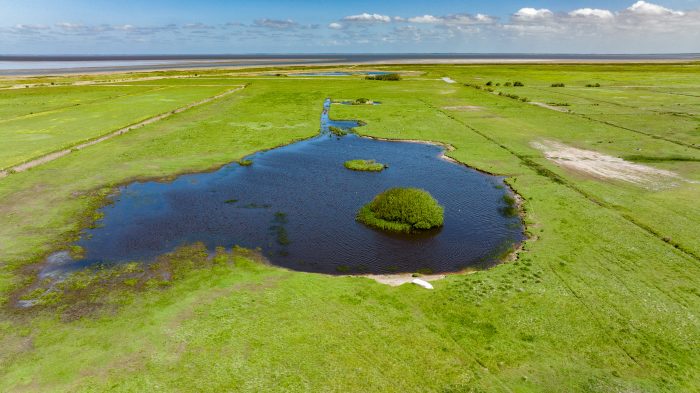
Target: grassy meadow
604, 295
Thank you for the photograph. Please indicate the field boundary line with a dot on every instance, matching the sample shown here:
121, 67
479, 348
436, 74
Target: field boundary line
649, 134
541, 170
33, 163
95, 101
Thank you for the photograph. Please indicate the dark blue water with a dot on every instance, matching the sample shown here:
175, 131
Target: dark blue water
298, 204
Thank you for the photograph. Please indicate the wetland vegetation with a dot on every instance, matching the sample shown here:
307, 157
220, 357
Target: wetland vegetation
402, 210
601, 297
365, 165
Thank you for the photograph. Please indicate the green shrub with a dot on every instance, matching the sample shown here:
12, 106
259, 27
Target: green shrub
489, 83
384, 77
361, 101
245, 162
593, 85
518, 84
507, 84
365, 165
402, 210
559, 84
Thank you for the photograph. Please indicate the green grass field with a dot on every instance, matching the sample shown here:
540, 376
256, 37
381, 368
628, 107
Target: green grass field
604, 296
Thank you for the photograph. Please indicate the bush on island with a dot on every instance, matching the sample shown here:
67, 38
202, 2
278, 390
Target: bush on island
402, 210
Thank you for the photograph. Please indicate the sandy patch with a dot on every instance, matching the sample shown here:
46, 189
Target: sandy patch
552, 107
603, 166
447, 79
463, 108
395, 280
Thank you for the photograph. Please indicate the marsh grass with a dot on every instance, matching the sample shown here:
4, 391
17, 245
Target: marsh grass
510, 207
402, 210
642, 158
102, 288
337, 131
384, 77
277, 227
257, 206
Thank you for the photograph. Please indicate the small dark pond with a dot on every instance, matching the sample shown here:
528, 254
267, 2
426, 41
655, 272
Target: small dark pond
298, 204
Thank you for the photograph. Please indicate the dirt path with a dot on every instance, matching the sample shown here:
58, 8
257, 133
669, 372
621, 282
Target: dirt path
96, 82
551, 107
58, 154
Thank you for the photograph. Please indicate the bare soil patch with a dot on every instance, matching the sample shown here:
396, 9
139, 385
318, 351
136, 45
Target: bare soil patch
551, 107
603, 166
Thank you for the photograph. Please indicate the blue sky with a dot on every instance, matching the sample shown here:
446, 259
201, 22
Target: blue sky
275, 26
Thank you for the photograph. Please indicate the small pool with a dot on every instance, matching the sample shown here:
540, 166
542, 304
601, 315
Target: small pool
298, 204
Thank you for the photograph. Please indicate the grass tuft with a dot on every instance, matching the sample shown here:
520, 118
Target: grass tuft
364, 165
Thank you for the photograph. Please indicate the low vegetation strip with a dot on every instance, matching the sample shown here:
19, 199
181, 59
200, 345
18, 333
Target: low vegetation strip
364, 165
58, 154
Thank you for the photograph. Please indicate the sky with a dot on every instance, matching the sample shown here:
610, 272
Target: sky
46, 27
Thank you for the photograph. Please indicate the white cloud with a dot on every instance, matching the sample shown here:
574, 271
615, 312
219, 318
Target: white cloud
592, 12
449, 20
335, 26
644, 8
425, 19
532, 14
368, 18
484, 18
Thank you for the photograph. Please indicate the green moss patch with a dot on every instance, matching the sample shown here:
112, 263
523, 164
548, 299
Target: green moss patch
402, 210
365, 165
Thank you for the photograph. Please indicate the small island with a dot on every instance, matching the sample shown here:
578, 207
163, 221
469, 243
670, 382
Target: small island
365, 165
402, 210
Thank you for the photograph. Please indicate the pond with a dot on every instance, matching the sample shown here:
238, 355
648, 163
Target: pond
297, 203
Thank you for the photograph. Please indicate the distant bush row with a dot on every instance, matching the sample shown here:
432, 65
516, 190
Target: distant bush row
513, 96
500, 93
507, 84
384, 77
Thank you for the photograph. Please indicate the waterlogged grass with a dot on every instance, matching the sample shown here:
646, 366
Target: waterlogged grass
384, 77
599, 299
364, 165
337, 131
402, 210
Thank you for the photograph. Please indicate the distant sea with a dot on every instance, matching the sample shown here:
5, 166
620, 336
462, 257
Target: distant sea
40, 65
